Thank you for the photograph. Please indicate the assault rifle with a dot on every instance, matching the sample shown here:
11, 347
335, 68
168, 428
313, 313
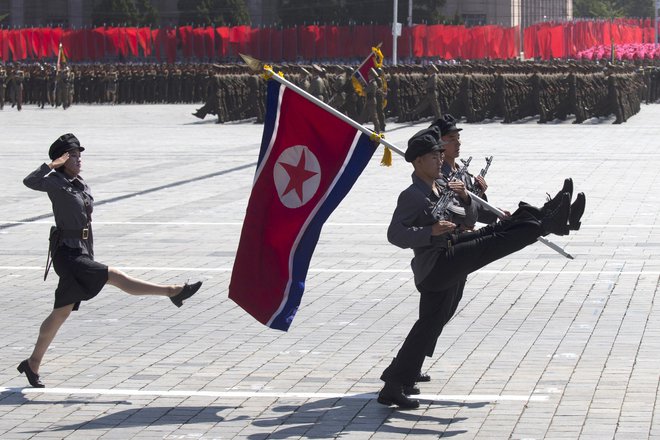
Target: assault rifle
479, 190
443, 206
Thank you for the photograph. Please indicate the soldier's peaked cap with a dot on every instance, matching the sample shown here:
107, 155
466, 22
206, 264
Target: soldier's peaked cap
422, 142
446, 124
62, 144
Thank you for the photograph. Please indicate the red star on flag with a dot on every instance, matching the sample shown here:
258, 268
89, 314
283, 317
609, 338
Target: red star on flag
297, 176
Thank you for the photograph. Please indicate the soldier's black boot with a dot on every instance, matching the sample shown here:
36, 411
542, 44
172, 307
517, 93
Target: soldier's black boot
392, 394
577, 209
411, 390
552, 203
556, 222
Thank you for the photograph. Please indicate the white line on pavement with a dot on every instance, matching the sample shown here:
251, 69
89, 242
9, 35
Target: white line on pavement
50, 222
403, 270
271, 394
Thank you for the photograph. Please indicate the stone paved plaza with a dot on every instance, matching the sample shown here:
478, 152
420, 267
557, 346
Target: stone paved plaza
541, 346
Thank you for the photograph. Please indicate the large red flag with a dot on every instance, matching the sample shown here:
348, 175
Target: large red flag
308, 162
4, 44
198, 42
222, 41
186, 36
145, 40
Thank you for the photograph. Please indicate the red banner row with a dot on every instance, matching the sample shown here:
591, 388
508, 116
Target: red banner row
566, 40
544, 40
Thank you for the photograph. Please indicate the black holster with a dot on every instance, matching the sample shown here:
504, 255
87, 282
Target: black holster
53, 243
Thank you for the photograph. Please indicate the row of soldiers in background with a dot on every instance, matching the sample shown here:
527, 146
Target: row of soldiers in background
474, 90
509, 91
37, 84
111, 83
367, 104
515, 92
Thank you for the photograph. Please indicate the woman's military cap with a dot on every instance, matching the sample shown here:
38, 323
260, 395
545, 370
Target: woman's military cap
62, 144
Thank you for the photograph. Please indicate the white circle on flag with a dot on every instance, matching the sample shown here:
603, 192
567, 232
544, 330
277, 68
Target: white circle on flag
297, 176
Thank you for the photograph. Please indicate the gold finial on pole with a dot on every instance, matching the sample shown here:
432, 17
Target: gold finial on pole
254, 64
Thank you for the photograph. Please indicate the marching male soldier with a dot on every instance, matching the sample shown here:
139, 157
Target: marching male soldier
351, 98
317, 86
369, 113
16, 88
3, 86
445, 255
40, 94
431, 99
381, 96
111, 87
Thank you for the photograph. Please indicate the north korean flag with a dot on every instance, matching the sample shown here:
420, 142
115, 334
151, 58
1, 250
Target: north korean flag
362, 72
308, 162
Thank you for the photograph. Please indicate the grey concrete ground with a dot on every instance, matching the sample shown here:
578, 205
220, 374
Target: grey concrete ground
541, 346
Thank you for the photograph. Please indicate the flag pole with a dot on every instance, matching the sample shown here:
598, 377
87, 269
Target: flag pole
376, 137
500, 214
60, 52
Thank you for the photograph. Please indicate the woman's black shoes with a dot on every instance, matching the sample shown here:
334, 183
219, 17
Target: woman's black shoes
32, 377
187, 291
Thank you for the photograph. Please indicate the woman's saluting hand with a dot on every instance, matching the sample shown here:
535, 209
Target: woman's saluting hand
59, 161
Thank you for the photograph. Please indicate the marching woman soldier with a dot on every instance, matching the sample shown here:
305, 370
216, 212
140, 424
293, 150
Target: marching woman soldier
72, 249
444, 254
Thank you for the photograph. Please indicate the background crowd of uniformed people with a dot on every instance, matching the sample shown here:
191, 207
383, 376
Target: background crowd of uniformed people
476, 91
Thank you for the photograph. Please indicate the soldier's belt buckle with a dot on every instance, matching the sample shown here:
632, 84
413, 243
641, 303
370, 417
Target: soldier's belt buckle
85, 233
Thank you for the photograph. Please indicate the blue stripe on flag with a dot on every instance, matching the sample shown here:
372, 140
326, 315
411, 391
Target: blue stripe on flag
272, 98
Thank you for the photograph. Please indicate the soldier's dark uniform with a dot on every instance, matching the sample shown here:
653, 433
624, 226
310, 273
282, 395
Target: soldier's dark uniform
369, 113
3, 87
16, 89
442, 261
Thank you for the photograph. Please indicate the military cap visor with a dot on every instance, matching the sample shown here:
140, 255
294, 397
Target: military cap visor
449, 129
63, 144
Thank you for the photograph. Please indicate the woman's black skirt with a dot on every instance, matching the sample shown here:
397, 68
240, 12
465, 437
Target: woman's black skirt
81, 278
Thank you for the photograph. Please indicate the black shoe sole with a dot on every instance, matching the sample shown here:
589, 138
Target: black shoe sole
389, 402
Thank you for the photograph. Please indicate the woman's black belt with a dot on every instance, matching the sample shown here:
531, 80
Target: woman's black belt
82, 234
